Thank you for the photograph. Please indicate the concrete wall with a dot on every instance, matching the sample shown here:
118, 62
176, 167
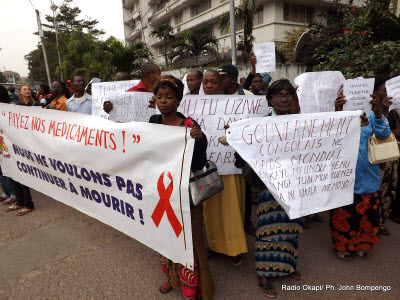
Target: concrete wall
289, 71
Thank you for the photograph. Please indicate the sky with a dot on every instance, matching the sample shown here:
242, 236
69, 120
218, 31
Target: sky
18, 23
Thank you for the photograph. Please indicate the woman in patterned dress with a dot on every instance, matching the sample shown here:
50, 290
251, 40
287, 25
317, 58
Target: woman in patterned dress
277, 235
354, 228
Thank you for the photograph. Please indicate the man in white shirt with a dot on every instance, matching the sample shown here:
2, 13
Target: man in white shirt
80, 102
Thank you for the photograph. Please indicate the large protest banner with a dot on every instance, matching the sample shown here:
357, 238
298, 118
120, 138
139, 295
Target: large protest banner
307, 162
131, 106
317, 91
213, 112
104, 91
131, 176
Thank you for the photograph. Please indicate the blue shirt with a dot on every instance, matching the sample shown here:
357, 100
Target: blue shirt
85, 107
368, 178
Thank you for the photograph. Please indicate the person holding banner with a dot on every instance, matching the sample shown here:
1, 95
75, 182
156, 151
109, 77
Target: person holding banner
80, 102
150, 75
276, 235
389, 170
25, 96
59, 101
355, 228
195, 284
194, 79
224, 212
24, 203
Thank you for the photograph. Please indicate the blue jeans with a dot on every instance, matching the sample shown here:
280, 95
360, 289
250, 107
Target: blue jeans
7, 185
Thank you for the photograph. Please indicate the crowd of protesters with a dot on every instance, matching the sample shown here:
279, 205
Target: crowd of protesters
227, 215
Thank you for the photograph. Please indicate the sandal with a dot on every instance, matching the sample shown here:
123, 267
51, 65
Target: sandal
344, 255
362, 253
166, 287
9, 201
268, 289
24, 211
296, 275
13, 207
383, 230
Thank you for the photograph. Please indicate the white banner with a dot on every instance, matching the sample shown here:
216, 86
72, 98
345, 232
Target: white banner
213, 112
266, 60
318, 91
131, 176
132, 106
358, 94
107, 91
393, 90
308, 162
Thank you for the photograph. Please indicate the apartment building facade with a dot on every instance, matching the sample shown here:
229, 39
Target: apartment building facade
273, 18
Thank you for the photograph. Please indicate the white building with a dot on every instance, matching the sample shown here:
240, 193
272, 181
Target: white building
272, 20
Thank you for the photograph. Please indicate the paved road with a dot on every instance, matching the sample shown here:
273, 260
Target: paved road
56, 252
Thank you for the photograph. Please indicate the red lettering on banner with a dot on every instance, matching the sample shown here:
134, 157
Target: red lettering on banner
164, 205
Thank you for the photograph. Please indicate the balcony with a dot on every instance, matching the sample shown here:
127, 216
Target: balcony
135, 33
170, 10
128, 3
133, 16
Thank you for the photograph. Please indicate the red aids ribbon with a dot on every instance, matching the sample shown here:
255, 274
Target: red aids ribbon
165, 206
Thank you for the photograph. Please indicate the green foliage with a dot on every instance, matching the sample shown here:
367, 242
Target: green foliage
127, 58
366, 43
194, 43
291, 37
67, 20
163, 33
243, 13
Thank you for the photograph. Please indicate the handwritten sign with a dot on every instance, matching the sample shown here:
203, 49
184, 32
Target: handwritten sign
266, 61
132, 106
358, 94
131, 176
318, 91
393, 90
307, 162
107, 91
212, 113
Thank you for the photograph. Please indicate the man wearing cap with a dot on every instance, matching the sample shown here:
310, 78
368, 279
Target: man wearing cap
230, 86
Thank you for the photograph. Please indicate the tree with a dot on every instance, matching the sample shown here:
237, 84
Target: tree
127, 58
194, 43
35, 60
243, 13
67, 21
163, 33
364, 44
85, 55
291, 37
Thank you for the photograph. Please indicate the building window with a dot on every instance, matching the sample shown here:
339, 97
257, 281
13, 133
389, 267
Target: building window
179, 18
297, 13
200, 7
259, 16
